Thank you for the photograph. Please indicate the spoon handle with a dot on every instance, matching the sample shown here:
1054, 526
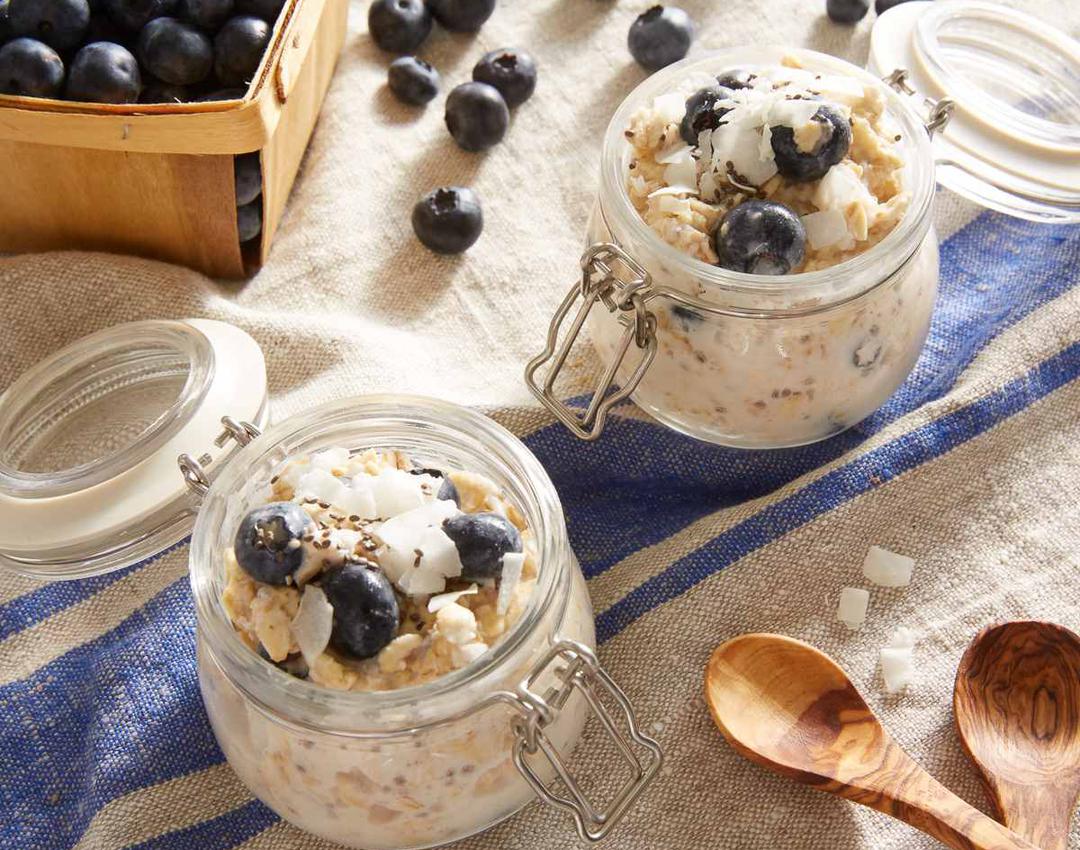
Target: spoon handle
915, 797
1040, 813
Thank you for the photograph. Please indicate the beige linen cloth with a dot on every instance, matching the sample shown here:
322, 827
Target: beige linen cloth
349, 303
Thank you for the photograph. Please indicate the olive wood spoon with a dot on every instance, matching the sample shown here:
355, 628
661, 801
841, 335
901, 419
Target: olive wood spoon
1017, 708
786, 706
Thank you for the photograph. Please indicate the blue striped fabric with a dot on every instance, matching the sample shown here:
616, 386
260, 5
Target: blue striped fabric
123, 712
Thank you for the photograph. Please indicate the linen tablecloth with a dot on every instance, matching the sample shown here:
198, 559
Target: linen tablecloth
971, 467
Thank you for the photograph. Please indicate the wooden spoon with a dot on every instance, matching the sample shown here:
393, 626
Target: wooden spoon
787, 706
1017, 707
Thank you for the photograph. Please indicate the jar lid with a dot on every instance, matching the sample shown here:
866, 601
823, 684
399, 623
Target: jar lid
1013, 141
90, 437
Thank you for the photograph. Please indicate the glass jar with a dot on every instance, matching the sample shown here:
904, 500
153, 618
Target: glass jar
428, 764
745, 360
120, 445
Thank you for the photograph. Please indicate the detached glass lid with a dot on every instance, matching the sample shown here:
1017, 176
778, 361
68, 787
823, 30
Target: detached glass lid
90, 438
1013, 141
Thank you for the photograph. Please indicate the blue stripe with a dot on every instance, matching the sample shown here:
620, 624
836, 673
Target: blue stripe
227, 830
840, 485
119, 713
41, 603
633, 488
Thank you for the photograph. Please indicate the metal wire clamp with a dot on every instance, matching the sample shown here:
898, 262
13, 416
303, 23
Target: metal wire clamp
939, 111
194, 469
577, 669
626, 297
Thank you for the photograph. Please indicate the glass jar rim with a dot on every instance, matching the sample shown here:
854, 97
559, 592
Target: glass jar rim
617, 208
295, 701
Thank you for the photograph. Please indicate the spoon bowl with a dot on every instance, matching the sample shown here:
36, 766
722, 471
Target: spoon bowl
791, 708
1017, 709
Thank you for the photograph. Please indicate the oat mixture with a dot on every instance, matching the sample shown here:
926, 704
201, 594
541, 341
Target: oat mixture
683, 190
363, 572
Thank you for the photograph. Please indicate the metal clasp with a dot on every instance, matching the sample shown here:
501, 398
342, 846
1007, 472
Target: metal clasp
939, 111
576, 669
626, 298
194, 469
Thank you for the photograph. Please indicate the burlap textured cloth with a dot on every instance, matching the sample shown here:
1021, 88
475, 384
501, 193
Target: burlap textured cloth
971, 468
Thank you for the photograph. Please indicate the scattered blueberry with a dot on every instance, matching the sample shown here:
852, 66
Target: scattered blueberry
268, 10
760, 237
833, 142
30, 68
883, 6
365, 609
659, 36
736, 78
238, 49
476, 116
511, 71
133, 15
461, 15
847, 11
60, 24
249, 221
399, 26
413, 80
103, 72
269, 543
701, 113
481, 540
447, 491
448, 220
248, 172
156, 91
175, 52
208, 14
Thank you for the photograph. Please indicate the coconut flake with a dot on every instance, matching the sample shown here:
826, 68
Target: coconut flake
827, 228
313, 623
673, 190
467, 654
674, 154
792, 113
512, 565
888, 569
852, 608
457, 624
681, 171
329, 459
437, 603
739, 145
403, 534
322, 486
671, 107
396, 491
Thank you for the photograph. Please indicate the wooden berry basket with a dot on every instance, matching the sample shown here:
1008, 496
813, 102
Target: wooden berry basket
157, 180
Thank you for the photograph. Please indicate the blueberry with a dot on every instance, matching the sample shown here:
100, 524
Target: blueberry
104, 28
701, 113
448, 220
482, 540
447, 491
294, 664
511, 71
248, 172
736, 78
208, 14
58, 23
133, 15
760, 237
30, 68
687, 316
269, 543
399, 26
238, 49
883, 6
462, 15
476, 116
365, 609
249, 221
833, 142
660, 35
156, 91
268, 10
413, 80
104, 72
175, 52
847, 11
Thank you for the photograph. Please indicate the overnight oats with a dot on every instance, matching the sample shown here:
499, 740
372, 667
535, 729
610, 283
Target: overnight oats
372, 591
773, 208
